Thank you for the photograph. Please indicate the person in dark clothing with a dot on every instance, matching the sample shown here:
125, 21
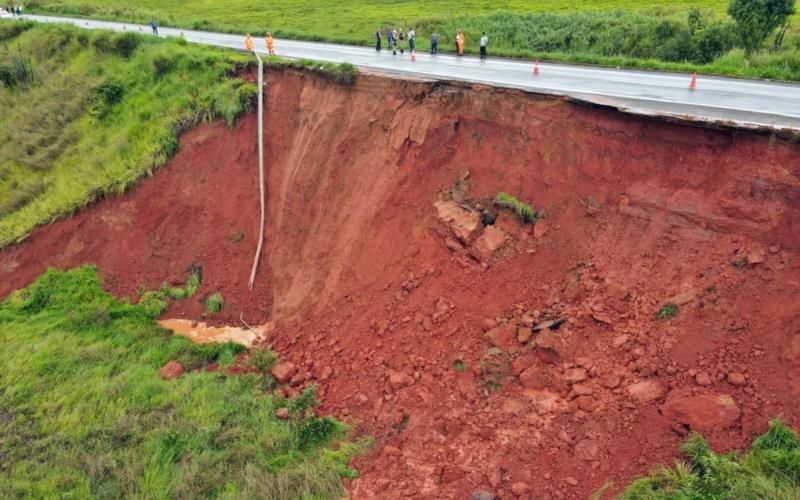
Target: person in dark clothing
378, 40
434, 42
390, 41
154, 26
484, 43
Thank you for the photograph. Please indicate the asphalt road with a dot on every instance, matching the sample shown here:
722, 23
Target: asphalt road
746, 103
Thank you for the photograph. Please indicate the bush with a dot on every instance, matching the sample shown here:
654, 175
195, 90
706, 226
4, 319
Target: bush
263, 359
125, 44
757, 19
668, 310
17, 72
162, 65
105, 95
9, 30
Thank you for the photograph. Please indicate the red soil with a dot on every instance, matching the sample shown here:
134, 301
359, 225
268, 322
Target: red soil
358, 278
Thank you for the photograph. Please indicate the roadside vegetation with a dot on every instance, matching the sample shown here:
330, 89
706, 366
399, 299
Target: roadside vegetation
769, 470
83, 413
679, 35
93, 112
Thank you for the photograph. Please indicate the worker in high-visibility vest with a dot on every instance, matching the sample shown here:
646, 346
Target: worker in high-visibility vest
248, 43
270, 44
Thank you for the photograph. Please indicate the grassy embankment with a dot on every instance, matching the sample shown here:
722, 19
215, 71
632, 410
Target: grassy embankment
86, 114
769, 470
647, 34
83, 413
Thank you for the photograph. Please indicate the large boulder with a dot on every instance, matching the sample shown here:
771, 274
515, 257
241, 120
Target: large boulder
465, 224
704, 412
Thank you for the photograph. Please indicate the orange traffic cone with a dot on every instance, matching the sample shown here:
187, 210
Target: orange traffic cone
536, 68
413, 57
693, 83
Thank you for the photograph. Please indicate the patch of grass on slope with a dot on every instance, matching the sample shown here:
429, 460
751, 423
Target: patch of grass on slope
769, 470
84, 414
101, 111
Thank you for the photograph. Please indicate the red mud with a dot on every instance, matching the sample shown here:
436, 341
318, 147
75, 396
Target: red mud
358, 278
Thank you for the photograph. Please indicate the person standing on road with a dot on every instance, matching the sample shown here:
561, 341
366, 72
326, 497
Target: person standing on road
484, 43
412, 44
434, 42
401, 41
378, 40
270, 44
460, 43
248, 43
390, 38
154, 26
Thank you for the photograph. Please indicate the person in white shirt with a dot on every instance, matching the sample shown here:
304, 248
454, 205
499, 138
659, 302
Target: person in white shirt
412, 44
484, 43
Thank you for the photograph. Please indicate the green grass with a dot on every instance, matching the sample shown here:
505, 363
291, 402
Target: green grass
525, 213
668, 310
84, 414
769, 470
640, 34
214, 303
102, 111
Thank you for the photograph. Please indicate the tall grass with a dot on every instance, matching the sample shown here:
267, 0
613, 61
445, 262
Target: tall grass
83, 413
101, 111
769, 470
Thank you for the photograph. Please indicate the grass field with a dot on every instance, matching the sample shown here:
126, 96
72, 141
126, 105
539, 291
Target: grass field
769, 470
638, 34
83, 413
346, 20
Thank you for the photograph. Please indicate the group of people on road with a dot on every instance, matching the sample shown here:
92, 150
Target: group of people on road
14, 10
395, 40
268, 41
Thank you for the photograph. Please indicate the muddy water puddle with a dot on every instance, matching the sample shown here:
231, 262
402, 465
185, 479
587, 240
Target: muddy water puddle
202, 333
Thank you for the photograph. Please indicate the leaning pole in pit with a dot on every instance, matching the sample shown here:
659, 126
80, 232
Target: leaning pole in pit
260, 164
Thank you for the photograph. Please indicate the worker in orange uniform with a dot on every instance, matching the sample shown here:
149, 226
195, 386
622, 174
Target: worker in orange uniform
248, 43
270, 44
460, 43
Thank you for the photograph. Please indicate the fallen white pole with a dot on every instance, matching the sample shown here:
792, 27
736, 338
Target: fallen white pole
260, 164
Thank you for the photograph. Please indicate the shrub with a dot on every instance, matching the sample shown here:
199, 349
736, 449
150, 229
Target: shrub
757, 19
314, 431
263, 359
308, 399
105, 95
523, 210
125, 44
19, 71
14, 29
162, 64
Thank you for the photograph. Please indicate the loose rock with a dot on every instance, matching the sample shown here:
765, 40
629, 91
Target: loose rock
706, 412
171, 370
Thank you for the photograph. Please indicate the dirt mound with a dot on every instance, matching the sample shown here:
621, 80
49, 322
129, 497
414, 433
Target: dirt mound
384, 304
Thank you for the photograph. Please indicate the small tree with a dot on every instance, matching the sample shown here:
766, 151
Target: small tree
757, 19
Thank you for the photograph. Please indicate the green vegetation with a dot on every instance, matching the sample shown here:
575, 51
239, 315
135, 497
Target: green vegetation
676, 35
214, 303
758, 19
93, 112
523, 210
156, 302
84, 414
459, 365
769, 470
668, 310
